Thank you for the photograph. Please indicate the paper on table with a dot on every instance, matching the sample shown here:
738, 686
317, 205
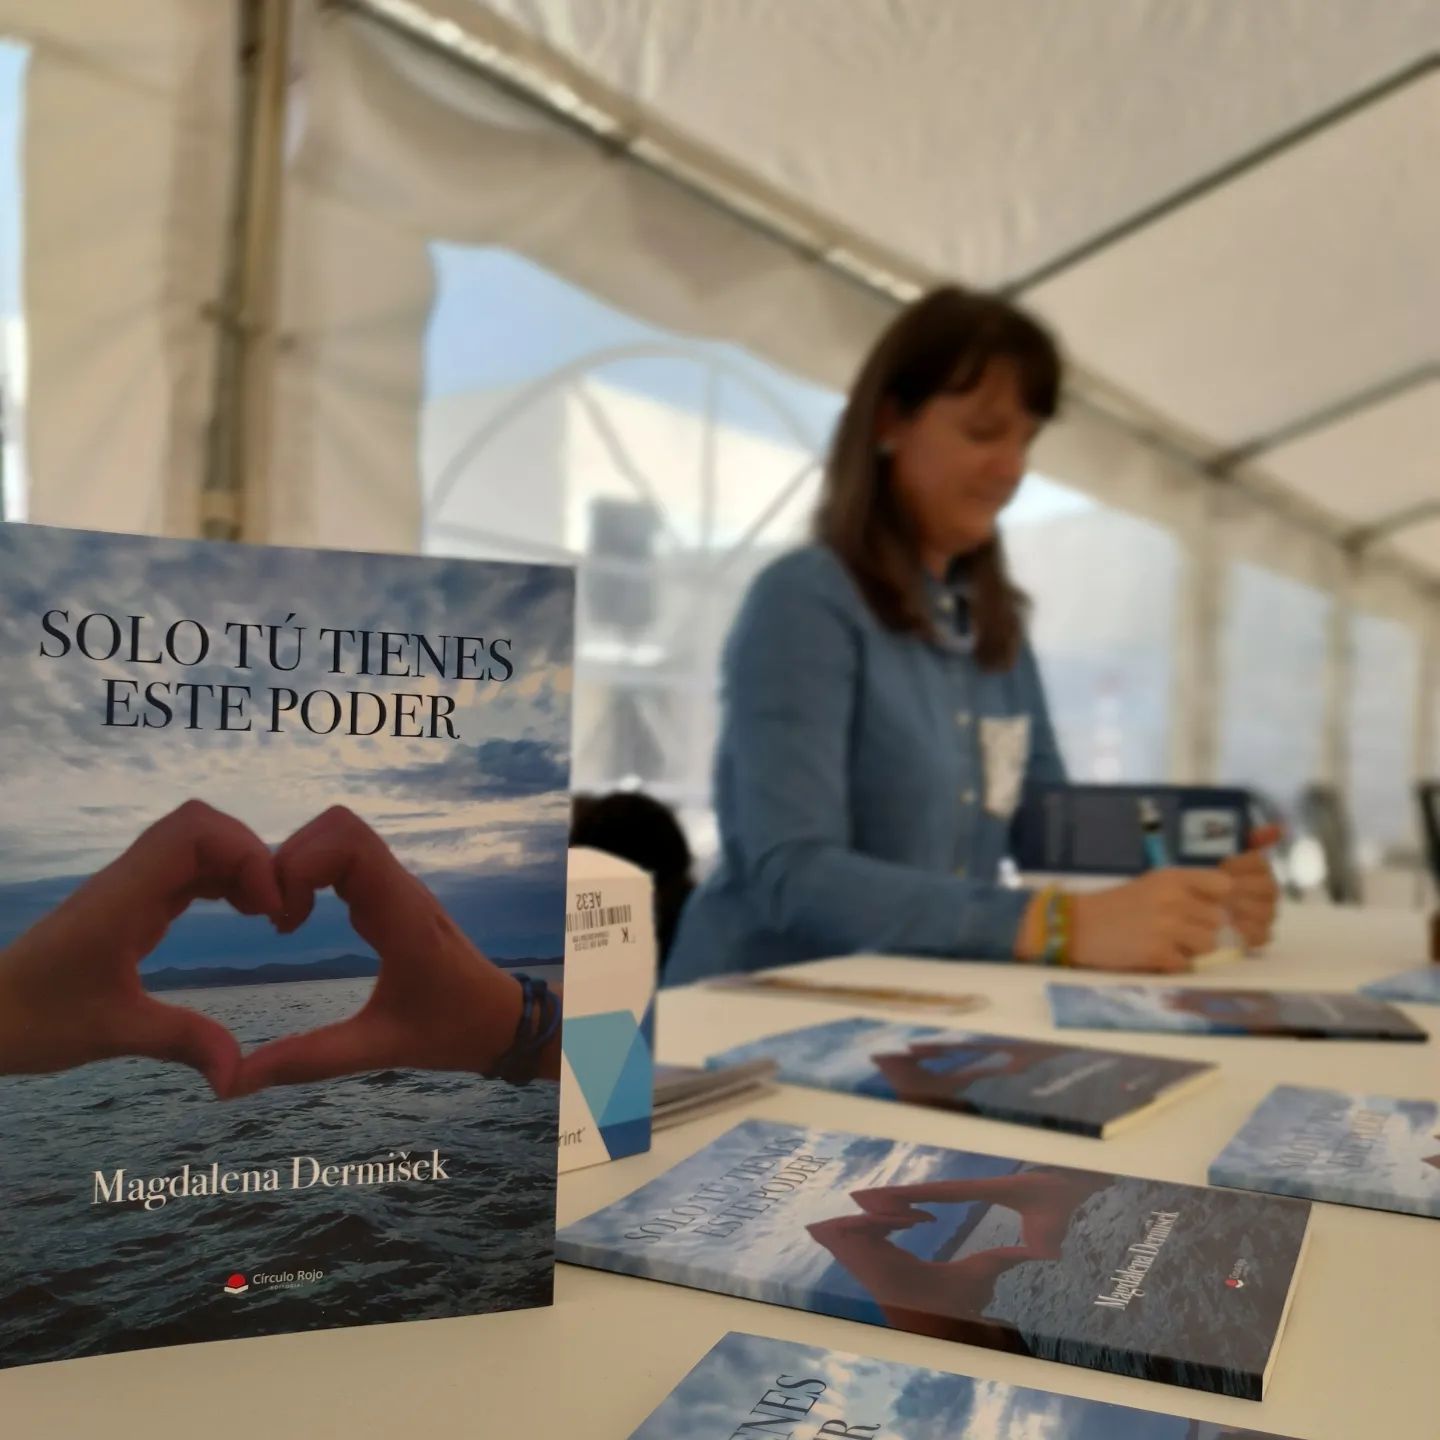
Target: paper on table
889, 996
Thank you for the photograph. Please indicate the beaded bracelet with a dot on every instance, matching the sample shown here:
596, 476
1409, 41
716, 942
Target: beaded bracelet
1059, 926
539, 1021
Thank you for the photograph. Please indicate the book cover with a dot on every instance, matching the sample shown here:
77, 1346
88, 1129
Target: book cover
1031, 1082
1147, 1278
1370, 1150
1412, 987
278, 830
1301, 1014
752, 1385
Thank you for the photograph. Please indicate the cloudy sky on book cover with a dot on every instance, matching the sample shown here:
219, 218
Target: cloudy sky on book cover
1165, 1281
1371, 1150
1414, 987
431, 699
1218, 1011
1038, 1082
798, 1390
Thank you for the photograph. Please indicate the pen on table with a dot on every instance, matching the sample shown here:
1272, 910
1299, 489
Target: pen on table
1152, 835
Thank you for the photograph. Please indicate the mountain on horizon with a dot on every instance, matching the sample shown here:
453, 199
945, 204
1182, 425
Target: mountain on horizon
337, 967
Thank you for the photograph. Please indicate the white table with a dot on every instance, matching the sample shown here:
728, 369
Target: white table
1359, 1361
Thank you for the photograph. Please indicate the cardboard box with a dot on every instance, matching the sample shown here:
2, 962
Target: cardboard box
607, 1076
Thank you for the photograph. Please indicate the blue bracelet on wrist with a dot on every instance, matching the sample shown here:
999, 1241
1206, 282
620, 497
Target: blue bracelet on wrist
539, 1021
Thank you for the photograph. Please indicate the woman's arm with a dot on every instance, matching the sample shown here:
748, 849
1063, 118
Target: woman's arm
791, 678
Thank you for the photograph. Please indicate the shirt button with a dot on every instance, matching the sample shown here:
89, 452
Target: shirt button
962, 718
967, 797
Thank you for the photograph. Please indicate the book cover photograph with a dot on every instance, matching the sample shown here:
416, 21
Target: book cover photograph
803, 1392
1148, 1278
1368, 1150
1301, 1014
1412, 987
281, 831
1032, 1082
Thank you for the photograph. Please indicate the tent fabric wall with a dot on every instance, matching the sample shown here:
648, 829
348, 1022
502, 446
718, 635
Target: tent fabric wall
129, 150
400, 150
127, 156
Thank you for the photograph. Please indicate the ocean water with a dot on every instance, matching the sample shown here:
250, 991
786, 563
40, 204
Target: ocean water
79, 1277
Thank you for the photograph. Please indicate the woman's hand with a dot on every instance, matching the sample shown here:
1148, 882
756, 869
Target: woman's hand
70, 990
1256, 895
1156, 925
438, 1003
888, 1203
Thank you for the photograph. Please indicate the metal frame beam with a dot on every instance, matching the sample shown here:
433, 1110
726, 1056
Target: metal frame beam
1216, 179
1364, 536
1323, 418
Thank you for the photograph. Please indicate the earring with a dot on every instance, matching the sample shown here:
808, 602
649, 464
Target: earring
885, 449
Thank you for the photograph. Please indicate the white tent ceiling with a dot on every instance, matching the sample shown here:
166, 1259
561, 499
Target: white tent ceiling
994, 142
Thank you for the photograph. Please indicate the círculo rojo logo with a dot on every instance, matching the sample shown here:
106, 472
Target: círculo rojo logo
236, 1284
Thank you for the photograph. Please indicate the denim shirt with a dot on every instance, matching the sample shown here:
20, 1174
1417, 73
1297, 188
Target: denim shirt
865, 783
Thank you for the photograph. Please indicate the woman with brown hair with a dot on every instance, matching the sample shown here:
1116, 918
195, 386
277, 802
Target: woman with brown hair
883, 712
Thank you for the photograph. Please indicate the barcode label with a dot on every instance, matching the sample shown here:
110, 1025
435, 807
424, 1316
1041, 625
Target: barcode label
594, 919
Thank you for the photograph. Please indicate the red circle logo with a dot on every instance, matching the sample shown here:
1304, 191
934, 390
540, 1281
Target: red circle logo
236, 1280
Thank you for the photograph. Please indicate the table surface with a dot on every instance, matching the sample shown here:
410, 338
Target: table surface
1358, 1360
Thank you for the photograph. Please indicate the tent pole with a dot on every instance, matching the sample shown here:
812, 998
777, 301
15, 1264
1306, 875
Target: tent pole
1339, 666
238, 440
1197, 687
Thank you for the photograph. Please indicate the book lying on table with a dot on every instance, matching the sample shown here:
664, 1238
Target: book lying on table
1415, 987
1368, 1150
1031, 1082
886, 997
1303, 1014
686, 1092
753, 1385
1140, 1277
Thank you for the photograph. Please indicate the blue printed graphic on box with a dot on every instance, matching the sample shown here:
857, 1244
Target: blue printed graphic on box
607, 1092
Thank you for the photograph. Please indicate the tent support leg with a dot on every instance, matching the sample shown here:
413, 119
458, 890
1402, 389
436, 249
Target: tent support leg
238, 440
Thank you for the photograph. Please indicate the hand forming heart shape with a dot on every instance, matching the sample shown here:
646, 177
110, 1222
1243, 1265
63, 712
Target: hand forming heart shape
70, 989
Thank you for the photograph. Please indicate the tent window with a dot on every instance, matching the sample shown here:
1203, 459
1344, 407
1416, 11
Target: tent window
1385, 664
1272, 664
1104, 584
13, 60
670, 468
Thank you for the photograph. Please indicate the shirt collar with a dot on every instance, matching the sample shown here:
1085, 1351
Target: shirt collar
949, 601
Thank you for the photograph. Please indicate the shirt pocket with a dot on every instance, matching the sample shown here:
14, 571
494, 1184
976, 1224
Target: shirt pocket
1005, 754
